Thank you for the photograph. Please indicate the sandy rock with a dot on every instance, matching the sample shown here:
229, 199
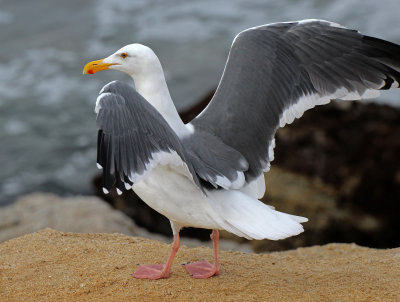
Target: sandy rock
76, 214
54, 266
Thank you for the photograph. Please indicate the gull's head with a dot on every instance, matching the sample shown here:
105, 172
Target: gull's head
133, 59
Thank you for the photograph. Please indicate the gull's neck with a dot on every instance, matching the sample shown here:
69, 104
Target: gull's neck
152, 86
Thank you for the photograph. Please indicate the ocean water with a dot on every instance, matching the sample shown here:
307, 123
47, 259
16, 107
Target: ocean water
47, 123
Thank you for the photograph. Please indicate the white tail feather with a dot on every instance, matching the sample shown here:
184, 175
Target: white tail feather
250, 218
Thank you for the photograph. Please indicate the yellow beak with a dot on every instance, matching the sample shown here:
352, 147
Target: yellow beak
95, 66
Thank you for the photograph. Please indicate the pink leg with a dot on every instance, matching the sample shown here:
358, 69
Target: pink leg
158, 271
204, 269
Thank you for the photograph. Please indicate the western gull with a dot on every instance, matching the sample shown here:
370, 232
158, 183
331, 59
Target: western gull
209, 173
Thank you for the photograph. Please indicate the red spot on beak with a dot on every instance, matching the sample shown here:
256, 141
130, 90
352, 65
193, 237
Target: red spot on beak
90, 71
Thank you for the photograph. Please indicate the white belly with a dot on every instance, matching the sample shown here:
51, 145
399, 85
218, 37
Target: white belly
173, 194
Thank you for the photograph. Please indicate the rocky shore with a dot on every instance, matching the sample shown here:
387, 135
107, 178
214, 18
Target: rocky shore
338, 166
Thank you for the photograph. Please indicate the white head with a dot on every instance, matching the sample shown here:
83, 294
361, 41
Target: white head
141, 63
133, 59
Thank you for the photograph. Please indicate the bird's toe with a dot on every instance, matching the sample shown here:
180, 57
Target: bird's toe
202, 269
154, 272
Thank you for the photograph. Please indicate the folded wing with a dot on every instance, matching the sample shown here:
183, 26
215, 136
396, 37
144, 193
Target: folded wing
133, 138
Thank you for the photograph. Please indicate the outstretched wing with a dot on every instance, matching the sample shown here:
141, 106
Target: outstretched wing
276, 72
133, 138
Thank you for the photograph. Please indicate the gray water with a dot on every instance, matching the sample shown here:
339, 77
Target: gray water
47, 123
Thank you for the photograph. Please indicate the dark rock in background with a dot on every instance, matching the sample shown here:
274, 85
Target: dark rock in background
355, 149
346, 178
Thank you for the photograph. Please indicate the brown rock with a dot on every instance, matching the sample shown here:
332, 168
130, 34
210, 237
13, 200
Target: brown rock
354, 148
329, 221
54, 266
74, 214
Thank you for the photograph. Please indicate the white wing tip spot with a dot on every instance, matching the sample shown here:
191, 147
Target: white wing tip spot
223, 182
239, 181
105, 191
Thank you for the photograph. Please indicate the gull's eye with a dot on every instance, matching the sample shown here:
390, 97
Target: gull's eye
123, 55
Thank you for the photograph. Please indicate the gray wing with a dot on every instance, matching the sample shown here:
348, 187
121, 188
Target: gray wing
276, 72
133, 138
215, 162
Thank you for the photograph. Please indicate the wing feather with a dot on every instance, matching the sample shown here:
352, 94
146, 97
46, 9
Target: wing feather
133, 138
276, 72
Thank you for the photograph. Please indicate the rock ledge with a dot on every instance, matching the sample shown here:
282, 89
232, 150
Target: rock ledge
53, 266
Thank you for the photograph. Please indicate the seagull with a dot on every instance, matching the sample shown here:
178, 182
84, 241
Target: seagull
209, 173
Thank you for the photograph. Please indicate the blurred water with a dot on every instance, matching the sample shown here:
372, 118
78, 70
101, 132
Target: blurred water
47, 124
